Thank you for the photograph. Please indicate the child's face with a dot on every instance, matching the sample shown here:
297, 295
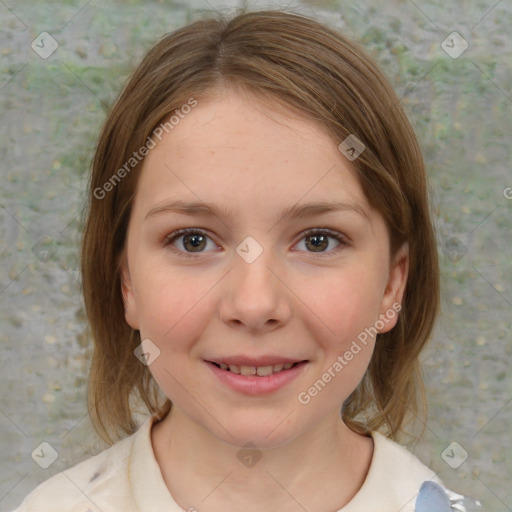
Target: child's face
304, 298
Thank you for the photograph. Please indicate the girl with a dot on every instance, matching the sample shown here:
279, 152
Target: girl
260, 270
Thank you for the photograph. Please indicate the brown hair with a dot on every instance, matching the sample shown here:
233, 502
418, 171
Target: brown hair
306, 66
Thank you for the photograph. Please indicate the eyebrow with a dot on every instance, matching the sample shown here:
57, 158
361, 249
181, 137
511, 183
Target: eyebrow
296, 211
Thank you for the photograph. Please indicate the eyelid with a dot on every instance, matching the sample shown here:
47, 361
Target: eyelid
343, 240
326, 231
172, 237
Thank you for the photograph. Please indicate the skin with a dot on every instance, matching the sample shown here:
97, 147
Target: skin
247, 154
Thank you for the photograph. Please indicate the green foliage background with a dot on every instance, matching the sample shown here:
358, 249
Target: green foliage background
52, 111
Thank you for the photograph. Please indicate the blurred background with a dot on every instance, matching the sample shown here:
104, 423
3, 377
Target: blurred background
451, 64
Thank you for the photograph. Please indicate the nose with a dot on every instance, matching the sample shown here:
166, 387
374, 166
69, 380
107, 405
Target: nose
255, 297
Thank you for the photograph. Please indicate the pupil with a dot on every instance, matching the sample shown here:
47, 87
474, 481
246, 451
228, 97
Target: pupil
198, 240
318, 240
194, 239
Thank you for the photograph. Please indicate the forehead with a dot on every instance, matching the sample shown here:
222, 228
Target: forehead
249, 153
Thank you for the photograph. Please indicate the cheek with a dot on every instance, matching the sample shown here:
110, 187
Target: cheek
173, 306
175, 312
344, 305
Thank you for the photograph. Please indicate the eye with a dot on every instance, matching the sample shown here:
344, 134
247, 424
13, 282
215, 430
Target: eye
318, 240
193, 239
196, 240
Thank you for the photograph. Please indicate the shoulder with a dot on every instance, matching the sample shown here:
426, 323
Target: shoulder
97, 484
399, 472
400, 464
394, 481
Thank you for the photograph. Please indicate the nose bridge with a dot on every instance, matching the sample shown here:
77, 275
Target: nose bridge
256, 296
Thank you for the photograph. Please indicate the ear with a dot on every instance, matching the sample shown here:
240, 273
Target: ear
130, 306
395, 288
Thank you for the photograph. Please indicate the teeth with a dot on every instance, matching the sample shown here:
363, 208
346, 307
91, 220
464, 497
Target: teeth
262, 371
247, 370
234, 368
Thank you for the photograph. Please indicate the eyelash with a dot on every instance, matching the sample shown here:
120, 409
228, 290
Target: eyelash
168, 241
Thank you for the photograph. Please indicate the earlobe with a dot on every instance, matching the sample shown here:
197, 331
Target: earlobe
130, 308
395, 288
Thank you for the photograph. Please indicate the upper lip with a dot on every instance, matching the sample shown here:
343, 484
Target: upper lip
254, 361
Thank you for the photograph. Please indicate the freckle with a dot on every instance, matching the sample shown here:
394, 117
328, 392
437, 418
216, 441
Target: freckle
96, 475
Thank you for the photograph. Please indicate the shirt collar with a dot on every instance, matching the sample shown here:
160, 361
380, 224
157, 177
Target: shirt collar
148, 486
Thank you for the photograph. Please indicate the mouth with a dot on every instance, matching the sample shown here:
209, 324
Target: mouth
256, 375
262, 367
260, 371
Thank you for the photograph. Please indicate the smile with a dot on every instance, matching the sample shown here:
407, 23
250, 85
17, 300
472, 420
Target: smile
261, 371
256, 376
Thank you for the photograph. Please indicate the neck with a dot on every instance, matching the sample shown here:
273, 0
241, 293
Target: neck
209, 474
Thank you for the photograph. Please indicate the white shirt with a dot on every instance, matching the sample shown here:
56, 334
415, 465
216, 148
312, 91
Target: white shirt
127, 478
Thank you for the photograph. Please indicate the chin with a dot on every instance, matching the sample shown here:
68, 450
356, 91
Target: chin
263, 431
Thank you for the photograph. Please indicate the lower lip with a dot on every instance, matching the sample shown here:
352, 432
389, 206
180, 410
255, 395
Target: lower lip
255, 385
